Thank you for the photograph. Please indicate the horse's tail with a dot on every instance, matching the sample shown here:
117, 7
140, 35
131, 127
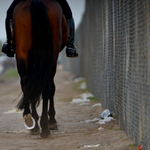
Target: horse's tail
44, 55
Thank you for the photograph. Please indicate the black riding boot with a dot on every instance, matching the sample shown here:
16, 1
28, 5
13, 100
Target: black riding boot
71, 50
8, 47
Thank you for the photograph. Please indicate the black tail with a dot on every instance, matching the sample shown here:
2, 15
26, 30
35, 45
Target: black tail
44, 57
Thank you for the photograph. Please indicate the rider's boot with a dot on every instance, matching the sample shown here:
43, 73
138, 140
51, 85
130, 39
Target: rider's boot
8, 47
71, 50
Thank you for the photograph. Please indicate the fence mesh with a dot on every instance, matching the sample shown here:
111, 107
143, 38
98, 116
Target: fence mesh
114, 55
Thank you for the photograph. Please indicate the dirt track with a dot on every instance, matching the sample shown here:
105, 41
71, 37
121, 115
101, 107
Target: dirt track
73, 133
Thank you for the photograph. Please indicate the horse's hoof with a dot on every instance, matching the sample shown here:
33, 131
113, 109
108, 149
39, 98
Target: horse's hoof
29, 122
33, 132
53, 126
45, 134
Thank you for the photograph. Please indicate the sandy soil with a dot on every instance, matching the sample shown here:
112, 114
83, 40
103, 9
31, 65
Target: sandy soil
73, 132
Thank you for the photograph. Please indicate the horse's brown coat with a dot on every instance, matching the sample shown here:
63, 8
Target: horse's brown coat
23, 38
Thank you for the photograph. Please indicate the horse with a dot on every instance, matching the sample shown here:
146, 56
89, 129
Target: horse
40, 33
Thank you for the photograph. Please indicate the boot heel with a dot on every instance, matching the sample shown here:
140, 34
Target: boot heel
5, 49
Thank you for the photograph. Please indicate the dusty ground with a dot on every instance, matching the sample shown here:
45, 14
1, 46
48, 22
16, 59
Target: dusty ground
73, 132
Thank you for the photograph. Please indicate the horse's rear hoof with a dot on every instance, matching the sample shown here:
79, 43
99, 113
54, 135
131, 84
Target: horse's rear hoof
53, 126
29, 121
45, 134
34, 132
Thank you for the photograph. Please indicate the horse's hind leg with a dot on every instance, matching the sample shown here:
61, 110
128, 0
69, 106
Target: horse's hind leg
52, 121
36, 129
24, 80
44, 119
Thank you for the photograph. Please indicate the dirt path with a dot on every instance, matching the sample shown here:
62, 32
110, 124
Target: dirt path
73, 133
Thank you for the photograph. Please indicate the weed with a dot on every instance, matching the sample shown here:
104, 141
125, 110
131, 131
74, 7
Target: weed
93, 99
78, 85
133, 145
10, 73
118, 129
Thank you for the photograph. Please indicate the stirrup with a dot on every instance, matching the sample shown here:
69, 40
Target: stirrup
72, 51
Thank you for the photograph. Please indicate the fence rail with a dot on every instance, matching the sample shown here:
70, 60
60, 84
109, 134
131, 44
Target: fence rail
114, 48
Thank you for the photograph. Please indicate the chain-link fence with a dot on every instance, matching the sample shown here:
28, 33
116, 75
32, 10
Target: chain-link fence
114, 55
